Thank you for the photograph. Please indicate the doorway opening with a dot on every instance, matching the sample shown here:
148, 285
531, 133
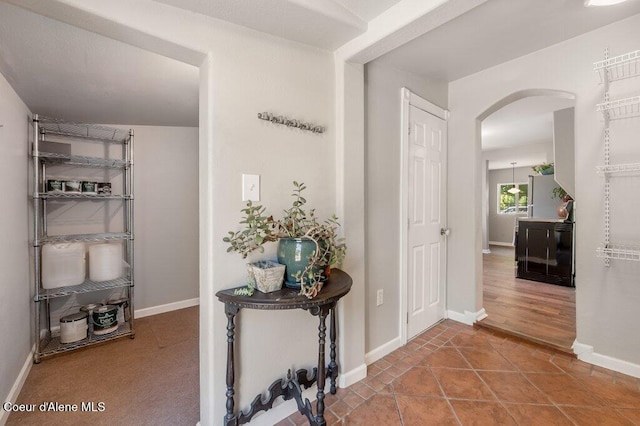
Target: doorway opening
519, 134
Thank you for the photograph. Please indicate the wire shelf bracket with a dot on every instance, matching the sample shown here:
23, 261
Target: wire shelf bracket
618, 168
620, 252
619, 67
621, 108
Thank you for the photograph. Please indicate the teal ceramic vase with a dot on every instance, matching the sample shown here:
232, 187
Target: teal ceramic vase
294, 253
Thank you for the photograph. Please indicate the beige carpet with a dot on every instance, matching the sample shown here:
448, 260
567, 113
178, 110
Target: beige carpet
149, 380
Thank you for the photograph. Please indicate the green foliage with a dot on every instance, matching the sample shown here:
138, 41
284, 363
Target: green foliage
542, 167
258, 230
244, 291
558, 192
507, 199
297, 222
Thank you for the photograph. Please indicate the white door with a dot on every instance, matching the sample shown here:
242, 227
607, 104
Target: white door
426, 251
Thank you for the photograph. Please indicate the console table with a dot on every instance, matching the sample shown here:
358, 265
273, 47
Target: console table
322, 305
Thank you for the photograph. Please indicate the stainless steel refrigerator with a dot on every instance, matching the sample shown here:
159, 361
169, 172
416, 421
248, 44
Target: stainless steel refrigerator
541, 201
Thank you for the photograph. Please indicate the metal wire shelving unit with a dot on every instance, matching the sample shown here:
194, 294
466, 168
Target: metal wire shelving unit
610, 70
76, 134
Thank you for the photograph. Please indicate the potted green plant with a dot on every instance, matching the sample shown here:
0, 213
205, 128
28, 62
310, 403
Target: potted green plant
307, 246
544, 168
559, 192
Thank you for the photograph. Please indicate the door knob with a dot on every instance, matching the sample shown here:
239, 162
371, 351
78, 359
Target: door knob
445, 231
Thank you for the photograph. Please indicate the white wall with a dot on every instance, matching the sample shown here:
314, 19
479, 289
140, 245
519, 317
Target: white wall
166, 215
254, 73
16, 302
501, 226
606, 298
382, 218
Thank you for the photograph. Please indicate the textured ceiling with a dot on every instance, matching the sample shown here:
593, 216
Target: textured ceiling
327, 24
499, 31
367, 9
526, 121
63, 71
521, 125
59, 69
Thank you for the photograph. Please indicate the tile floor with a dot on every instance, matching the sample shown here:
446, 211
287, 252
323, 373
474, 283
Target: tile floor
457, 374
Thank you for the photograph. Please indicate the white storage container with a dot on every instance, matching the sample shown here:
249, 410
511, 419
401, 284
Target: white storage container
63, 264
105, 262
73, 327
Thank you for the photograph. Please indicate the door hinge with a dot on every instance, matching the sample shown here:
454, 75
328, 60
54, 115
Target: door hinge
409, 131
407, 317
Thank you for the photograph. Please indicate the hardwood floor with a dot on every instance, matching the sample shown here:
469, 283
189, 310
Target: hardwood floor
544, 313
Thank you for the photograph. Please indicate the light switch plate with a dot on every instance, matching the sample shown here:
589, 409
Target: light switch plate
250, 187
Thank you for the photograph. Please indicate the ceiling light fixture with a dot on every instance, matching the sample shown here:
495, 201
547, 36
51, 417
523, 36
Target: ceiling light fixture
590, 3
515, 189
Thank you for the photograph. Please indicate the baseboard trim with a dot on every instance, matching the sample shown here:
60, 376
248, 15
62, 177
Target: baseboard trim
353, 376
468, 318
382, 351
17, 385
585, 353
486, 251
500, 243
161, 309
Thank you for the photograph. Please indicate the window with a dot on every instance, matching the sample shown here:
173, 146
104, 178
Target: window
509, 203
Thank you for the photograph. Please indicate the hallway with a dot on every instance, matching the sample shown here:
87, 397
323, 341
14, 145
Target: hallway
543, 313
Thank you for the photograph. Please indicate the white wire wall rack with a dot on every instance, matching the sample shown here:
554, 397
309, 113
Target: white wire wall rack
618, 67
620, 108
610, 70
619, 251
631, 168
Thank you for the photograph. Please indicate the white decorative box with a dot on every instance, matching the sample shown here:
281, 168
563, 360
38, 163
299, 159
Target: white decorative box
266, 275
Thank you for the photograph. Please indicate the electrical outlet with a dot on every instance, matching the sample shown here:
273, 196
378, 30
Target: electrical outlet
379, 297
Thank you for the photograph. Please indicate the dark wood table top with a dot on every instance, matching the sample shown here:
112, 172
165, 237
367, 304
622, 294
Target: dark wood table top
338, 284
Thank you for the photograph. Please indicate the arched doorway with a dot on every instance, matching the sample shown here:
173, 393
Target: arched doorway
519, 131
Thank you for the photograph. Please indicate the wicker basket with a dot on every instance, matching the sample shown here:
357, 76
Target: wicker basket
266, 275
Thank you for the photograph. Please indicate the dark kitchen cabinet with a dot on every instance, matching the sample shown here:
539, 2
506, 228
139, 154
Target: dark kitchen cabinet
544, 251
